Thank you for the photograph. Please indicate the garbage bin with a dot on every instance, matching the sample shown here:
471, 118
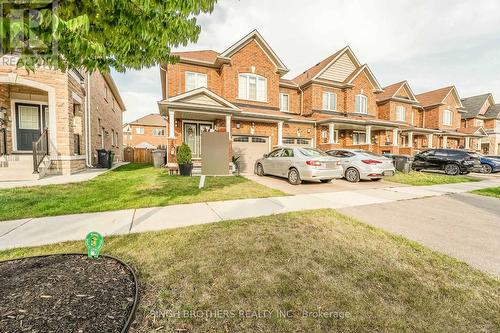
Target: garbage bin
158, 158
402, 163
111, 159
102, 158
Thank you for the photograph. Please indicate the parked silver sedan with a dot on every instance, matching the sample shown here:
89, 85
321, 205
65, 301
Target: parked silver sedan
362, 164
299, 164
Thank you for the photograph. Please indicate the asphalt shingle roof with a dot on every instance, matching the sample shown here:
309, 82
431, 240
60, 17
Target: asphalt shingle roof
150, 120
473, 105
433, 97
493, 111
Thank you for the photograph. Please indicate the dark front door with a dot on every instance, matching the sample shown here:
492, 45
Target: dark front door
28, 127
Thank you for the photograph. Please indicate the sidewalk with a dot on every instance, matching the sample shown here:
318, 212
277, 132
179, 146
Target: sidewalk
47, 230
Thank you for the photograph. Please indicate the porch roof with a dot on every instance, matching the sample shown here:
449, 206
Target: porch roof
360, 121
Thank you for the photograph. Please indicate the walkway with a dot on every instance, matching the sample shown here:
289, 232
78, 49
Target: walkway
46, 230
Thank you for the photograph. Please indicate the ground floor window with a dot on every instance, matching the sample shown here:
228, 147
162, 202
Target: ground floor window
359, 138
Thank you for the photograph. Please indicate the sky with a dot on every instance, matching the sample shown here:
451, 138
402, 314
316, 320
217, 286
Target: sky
430, 43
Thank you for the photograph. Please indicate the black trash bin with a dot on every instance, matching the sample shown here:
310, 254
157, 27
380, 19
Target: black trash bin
102, 158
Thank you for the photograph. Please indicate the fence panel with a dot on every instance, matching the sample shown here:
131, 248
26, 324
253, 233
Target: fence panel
138, 155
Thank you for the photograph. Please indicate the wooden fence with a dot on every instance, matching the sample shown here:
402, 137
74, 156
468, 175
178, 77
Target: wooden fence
138, 155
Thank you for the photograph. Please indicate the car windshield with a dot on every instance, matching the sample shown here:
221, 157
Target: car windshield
310, 152
366, 152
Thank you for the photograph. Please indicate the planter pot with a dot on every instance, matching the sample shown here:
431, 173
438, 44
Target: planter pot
186, 169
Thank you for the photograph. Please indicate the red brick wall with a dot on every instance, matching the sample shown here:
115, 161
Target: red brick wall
293, 99
177, 78
148, 136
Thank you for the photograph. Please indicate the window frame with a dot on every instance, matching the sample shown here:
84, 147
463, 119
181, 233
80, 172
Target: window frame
361, 98
445, 112
141, 130
357, 134
328, 106
287, 102
399, 109
158, 129
196, 81
257, 77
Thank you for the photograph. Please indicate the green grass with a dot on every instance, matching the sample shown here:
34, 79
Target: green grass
130, 186
298, 262
428, 178
489, 192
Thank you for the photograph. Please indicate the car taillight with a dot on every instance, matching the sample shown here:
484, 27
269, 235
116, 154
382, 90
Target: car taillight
371, 161
313, 163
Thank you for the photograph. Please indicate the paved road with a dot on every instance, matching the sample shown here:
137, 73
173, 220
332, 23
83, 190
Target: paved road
465, 226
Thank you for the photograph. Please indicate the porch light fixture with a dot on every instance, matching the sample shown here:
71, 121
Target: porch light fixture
308, 130
238, 125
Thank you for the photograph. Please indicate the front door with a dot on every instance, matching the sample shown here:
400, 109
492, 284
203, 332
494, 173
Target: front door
28, 125
192, 136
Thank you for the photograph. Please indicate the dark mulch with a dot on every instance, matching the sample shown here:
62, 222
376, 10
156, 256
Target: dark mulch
67, 293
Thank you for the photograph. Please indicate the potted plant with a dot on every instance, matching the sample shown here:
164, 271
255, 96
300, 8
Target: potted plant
184, 160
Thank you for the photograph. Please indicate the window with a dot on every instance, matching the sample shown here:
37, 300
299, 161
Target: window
447, 117
240, 139
105, 92
195, 80
116, 138
139, 130
113, 105
360, 103
329, 101
158, 131
275, 153
259, 140
284, 102
359, 138
479, 122
100, 127
302, 141
287, 153
288, 141
112, 137
400, 113
76, 144
252, 87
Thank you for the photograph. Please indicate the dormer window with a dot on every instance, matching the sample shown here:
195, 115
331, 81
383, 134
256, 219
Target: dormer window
360, 104
195, 80
447, 117
252, 87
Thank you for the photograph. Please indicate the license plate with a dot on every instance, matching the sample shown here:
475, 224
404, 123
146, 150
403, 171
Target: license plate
388, 173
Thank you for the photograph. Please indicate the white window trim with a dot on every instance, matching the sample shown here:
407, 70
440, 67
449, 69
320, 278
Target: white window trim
197, 75
328, 107
247, 97
137, 130
359, 143
444, 117
400, 110
287, 104
158, 128
362, 97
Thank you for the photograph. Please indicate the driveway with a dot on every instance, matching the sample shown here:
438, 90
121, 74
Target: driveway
465, 226
336, 185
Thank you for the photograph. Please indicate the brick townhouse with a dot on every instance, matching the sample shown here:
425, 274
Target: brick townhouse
73, 112
336, 103
146, 132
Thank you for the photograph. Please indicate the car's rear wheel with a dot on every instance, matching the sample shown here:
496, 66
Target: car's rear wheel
294, 177
487, 168
260, 170
452, 169
352, 175
326, 180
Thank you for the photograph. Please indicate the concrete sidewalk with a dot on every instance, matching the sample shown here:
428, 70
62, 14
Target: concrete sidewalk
47, 230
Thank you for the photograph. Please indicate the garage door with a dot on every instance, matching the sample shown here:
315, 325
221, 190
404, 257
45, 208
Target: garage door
296, 142
250, 148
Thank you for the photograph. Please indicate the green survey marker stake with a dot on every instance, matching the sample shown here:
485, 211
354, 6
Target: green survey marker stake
94, 242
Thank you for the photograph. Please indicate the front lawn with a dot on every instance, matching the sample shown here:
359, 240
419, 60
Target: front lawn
314, 271
130, 186
489, 192
428, 178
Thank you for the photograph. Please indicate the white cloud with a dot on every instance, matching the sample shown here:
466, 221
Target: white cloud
430, 43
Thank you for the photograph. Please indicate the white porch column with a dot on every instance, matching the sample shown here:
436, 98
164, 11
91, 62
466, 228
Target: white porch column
331, 133
467, 142
171, 124
430, 137
228, 125
395, 134
445, 142
410, 139
280, 133
368, 135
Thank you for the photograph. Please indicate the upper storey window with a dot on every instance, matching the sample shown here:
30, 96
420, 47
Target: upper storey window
329, 101
400, 113
360, 104
195, 80
252, 87
284, 102
447, 117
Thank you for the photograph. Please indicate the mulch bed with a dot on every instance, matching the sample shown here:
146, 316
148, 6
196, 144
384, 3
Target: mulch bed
65, 293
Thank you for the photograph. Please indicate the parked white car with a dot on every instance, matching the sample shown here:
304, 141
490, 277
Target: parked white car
362, 164
299, 164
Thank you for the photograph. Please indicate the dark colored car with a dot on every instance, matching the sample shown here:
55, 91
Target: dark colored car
451, 161
490, 164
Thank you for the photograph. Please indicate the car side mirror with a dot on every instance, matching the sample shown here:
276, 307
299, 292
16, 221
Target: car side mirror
266, 155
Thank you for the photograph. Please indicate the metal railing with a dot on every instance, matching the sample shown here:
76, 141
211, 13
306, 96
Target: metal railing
40, 150
3, 141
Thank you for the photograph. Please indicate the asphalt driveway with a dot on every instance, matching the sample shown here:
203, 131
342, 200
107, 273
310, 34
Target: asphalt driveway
465, 226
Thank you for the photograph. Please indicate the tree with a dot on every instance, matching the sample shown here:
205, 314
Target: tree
99, 34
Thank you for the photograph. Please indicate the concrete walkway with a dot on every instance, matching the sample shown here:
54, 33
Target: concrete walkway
47, 230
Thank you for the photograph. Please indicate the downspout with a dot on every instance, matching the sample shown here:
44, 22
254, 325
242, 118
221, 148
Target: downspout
301, 100
88, 125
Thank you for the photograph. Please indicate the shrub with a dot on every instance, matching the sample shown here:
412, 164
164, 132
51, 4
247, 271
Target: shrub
184, 154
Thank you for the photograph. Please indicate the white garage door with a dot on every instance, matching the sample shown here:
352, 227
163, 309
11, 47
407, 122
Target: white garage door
297, 142
250, 148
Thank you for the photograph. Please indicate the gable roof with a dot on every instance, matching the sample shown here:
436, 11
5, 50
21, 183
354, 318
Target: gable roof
254, 35
189, 97
320, 67
153, 119
370, 76
474, 104
477, 130
392, 90
436, 97
493, 112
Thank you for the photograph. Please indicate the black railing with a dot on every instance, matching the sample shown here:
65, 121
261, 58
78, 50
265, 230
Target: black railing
3, 141
40, 150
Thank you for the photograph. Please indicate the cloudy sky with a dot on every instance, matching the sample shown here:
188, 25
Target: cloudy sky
430, 43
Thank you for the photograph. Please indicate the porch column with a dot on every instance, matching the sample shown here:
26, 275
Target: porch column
368, 135
445, 141
171, 124
410, 139
228, 124
395, 134
331, 133
280, 133
467, 142
430, 137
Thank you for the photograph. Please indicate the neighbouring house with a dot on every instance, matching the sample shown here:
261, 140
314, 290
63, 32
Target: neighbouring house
54, 121
481, 111
338, 103
146, 132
